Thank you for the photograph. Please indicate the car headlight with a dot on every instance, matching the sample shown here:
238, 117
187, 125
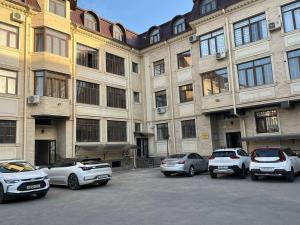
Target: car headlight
46, 177
11, 181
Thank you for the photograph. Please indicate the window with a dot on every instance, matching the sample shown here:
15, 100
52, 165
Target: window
90, 22
87, 56
255, 73
115, 64
137, 127
116, 97
51, 41
51, 84
188, 128
87, 93
135, 67
161, 99
154, 36
250, 30
8, 131
57, 7
116, 131
186, 93
291, 16
88, 130
8, 82
294, 64
267, 121
162, 131
9, 36
179, 26
215, 82
136, 97
208, 6
159, 67
184, 59
212, 43
118, 33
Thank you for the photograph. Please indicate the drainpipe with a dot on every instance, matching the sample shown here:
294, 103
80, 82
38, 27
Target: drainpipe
73, 91
172, 97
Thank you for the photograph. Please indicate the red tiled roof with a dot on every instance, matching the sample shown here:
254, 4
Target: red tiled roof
30, 3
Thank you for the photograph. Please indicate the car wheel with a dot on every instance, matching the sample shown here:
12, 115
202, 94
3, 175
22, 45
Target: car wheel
212, 174
103, 183
167, 174
73, 182
242, 173
2, 195
254, 177
42, 194
191, 172
290, 177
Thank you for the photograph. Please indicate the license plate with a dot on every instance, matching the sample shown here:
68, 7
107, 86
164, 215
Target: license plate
101, 177
267, 169
223, 167
30, 187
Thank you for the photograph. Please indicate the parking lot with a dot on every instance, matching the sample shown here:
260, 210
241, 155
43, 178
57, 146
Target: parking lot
146, 197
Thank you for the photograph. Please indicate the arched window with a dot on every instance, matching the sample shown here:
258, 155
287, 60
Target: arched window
154, 36
90, 22
179, 26
208, 6
118, 33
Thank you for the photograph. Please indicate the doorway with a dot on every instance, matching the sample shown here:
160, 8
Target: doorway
233, 140
45, 152
142, 150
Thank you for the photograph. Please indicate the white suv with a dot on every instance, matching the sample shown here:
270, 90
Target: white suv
271, 161
19, 178
229, 161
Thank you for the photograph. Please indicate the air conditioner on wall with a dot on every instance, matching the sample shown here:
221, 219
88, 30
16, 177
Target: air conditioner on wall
35, 99
275, 25
17, 17
221, 55
161, 110
193, 38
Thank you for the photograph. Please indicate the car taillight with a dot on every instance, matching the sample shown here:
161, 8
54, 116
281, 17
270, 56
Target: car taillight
282, 157
211, 157
234, 157
181, 162
86, 168
253, 155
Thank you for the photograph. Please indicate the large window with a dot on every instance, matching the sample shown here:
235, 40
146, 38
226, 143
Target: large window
87, 130
294, 64
186, 93
87, 93
291, 16
57, 7
116, 97
154, 36
51, 41
90, 22
208, 6
9, 36
188, 129
116, 131
179, 26
255, 73
250, 30
184, 59
215, 82
161, 99
115, 64
267, 121
212, 43
8, 131
162, 131
159, 67
118, 33
8, 82
51, 84
87, 56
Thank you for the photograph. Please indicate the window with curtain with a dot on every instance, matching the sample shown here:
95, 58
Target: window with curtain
9, 35
291, 16
8, 82
57, 7
294, 64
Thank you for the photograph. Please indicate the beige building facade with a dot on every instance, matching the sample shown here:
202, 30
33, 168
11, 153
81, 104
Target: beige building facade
226, 74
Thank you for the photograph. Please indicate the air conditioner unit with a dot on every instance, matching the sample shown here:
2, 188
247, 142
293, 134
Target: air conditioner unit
18, 17
274, 25
221, 55
161, 110
193, 38
35, 99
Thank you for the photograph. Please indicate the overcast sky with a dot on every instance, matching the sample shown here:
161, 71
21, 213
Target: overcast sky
137, 15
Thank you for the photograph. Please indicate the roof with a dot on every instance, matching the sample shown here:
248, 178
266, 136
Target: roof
33, 4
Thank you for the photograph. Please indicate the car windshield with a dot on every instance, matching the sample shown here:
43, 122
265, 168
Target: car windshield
267, 153
91, 161
15, 167
176, 156
224, 154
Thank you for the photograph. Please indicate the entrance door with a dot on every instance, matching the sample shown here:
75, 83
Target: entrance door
142, 150
45, 152
234, 140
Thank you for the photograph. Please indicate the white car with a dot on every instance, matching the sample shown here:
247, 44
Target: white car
76, 173
229, 161
20, 178
271, 161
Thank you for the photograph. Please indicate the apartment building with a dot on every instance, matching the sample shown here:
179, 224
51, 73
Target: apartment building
72, 84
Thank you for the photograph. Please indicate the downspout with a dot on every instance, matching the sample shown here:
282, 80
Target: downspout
74, 92
172, 97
